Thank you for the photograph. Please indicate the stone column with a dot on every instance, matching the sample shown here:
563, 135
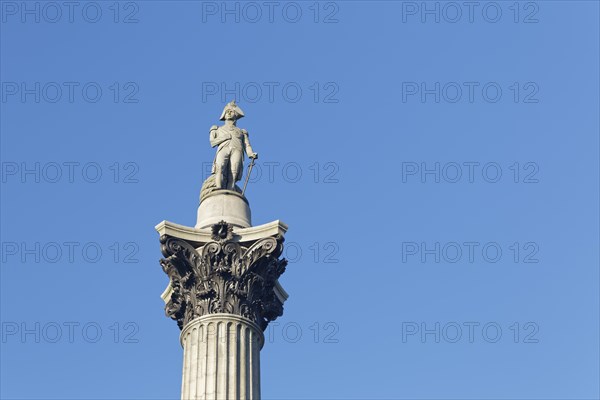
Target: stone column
223, 292
221, 358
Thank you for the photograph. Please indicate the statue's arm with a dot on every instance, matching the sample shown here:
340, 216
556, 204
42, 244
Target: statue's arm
249, 150
215, 140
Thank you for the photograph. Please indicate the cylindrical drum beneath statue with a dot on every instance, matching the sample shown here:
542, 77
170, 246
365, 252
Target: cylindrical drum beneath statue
224, 205
221, 358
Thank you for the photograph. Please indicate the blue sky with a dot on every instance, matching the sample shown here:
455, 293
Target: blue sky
437, 164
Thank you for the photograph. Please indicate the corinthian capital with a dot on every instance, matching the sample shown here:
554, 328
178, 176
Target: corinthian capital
226, 274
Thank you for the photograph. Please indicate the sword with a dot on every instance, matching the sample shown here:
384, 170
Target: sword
248, 175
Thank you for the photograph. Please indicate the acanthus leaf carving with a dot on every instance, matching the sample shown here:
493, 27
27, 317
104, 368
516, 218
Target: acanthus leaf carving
224, 277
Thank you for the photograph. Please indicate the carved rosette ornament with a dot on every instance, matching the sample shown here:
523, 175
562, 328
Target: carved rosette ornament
223, 276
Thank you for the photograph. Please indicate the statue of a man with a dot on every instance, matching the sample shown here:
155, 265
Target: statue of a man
233, 143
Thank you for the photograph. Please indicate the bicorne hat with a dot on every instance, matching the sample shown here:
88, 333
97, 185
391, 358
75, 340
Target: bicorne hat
232, 106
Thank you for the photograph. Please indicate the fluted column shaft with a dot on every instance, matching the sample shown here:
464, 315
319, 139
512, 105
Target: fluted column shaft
221, 358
